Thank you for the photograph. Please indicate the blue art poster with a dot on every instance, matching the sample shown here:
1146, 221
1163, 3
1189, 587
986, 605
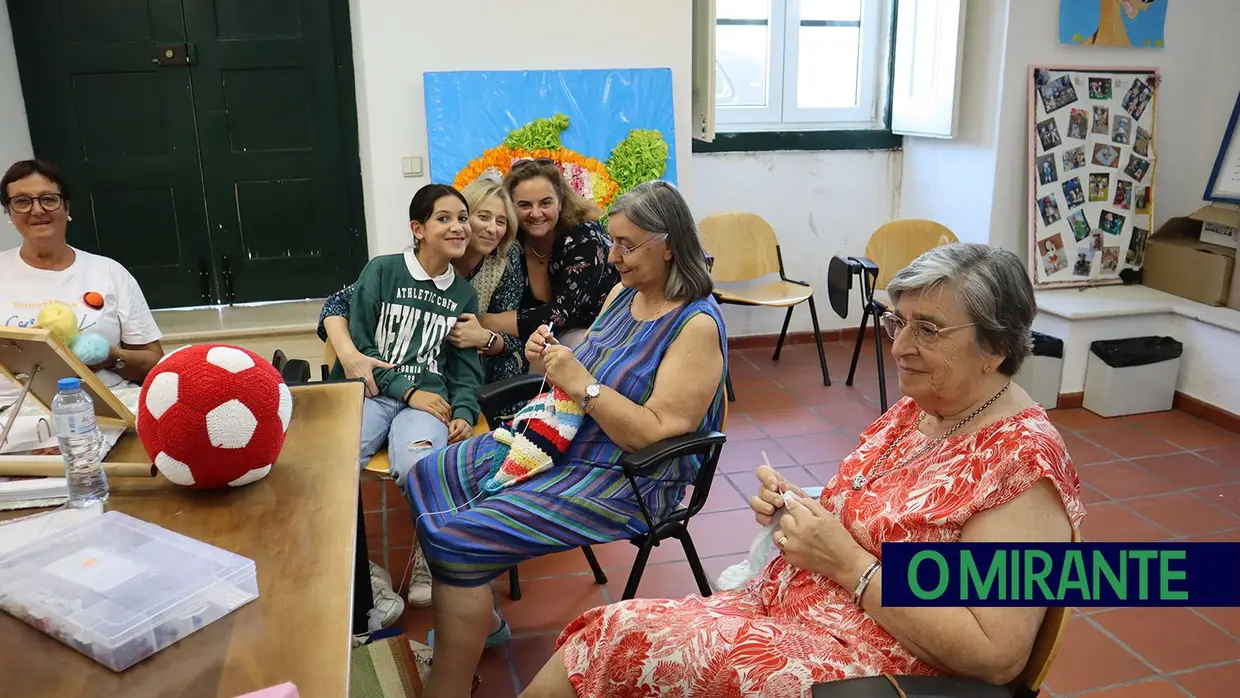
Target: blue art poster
1126, 23
609, 130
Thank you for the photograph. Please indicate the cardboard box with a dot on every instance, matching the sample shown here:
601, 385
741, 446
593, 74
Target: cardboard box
1179, 263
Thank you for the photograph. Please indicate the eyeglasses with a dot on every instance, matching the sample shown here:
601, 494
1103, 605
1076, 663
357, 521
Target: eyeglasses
23, 204
626, 250
926, 333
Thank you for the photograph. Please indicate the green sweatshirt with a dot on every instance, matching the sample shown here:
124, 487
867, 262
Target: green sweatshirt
401, 315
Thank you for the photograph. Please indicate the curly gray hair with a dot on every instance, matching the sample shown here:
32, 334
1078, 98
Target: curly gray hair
994, 289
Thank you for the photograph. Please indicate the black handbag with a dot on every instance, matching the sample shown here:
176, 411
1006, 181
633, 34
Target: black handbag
890, 686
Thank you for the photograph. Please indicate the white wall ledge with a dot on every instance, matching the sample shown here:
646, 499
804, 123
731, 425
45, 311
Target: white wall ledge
1126, 301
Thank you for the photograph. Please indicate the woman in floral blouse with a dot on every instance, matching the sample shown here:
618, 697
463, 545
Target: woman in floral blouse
493, 264
565, 251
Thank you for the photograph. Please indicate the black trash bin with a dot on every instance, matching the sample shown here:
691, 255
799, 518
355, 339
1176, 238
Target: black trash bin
1042, 373
1132, 376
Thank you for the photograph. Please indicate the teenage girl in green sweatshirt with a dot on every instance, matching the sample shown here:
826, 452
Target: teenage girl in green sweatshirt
404, 305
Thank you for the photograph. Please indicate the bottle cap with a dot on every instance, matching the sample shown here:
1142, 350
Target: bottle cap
66, 384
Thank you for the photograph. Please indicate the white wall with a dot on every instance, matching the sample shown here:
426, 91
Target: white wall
1200, 69
14, 131
953, 181
821, 204
396, 41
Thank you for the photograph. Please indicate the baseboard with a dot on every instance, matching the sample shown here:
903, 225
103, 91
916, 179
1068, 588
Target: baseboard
768, 341
1207, 412
1185, 403
1070, 401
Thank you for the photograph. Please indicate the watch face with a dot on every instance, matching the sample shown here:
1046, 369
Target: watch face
593, 390
120, 363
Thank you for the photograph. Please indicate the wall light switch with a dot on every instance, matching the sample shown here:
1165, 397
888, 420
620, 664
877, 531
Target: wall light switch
411, 166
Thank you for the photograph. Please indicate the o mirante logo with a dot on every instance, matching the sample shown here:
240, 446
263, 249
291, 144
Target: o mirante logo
1061, 574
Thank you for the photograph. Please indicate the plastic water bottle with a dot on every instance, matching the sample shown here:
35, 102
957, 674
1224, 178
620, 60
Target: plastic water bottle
73, 413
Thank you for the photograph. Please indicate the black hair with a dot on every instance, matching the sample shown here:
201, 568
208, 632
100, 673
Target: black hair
25, 168
422, 206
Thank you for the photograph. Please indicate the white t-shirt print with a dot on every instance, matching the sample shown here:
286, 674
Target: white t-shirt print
124, 317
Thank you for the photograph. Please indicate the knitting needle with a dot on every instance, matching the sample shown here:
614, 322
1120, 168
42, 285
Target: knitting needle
767, 462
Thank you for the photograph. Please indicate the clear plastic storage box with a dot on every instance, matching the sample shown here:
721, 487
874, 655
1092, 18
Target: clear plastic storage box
118, 589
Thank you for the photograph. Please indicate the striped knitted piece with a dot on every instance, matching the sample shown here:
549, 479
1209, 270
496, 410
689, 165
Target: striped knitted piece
538, 436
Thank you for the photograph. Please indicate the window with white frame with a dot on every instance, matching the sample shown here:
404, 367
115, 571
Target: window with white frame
800, 65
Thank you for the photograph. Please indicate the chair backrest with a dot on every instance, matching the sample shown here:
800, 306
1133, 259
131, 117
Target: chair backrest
897, 243
744, 246
1045, 645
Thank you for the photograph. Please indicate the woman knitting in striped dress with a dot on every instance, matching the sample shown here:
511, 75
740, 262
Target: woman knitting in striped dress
651, 367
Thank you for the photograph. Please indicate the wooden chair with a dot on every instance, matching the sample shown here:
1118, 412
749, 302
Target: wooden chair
1045, 648
891, 248
746, 249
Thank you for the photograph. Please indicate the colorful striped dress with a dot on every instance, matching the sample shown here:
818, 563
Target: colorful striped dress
585, 499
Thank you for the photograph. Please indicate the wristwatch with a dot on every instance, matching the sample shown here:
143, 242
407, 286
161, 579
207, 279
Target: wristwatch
592, 391
118, 364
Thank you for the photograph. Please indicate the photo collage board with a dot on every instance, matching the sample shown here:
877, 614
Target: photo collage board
1092, 161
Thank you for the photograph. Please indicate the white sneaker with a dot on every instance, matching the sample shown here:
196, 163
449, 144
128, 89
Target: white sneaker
388, 605
419, 581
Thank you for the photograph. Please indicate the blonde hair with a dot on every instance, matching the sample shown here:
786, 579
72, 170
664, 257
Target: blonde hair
486, 279
575, 209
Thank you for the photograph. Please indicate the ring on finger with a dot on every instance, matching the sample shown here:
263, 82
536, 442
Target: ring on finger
783, 540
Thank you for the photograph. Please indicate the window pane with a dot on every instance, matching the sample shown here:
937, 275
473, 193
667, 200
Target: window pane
741, 66
743, 9
830, 10
827, 67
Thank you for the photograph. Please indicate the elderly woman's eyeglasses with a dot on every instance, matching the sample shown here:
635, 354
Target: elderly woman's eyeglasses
24, 204
626, 250
926, 333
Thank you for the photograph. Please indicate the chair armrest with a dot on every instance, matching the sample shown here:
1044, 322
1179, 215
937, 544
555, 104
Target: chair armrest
859, 263
493, 397
667, 449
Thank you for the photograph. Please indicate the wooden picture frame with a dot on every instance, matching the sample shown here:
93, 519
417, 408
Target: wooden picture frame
23, 350
1224, 183
1092, 161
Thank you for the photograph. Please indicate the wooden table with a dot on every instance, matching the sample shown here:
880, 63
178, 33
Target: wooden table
300, 525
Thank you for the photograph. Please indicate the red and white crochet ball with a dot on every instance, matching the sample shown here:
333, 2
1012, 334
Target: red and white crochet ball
213, 416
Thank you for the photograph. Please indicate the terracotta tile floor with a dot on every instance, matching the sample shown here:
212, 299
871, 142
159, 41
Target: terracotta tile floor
1152, 477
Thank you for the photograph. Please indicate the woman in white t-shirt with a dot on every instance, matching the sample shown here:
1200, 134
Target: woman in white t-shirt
44, 269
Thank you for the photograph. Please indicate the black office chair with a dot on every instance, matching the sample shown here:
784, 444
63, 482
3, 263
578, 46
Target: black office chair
675, 525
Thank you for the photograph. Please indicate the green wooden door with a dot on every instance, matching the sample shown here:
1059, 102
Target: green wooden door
267, 95
226, 174
122, 130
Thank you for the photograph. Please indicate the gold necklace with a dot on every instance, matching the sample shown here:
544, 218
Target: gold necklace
860, 480
656, 312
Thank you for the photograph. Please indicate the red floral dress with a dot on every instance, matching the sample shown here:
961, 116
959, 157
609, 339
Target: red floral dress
788, 629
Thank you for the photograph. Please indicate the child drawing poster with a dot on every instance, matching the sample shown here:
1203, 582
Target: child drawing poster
1125, 23
608, 130
1092, 155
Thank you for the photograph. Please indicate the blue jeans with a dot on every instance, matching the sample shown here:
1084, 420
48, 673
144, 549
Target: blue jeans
408, 433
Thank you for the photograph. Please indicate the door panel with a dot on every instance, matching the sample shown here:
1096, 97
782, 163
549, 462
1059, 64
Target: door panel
270, 126
122, 130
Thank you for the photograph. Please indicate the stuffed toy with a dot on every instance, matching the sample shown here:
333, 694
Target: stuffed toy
537, 438
90, 347
213, 416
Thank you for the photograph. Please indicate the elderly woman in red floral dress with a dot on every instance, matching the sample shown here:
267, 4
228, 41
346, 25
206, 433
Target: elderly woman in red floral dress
965, 456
